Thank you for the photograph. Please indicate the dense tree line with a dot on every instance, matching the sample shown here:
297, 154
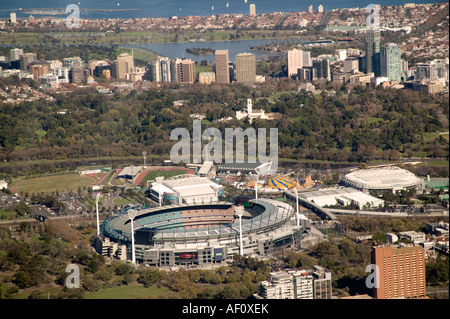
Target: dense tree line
350, 124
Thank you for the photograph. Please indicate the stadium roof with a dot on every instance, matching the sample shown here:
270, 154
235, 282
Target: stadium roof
383, 178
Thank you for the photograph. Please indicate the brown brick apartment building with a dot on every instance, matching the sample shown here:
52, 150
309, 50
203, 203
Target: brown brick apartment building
401, 272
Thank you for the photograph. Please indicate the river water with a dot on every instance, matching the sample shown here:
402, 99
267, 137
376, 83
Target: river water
178, 50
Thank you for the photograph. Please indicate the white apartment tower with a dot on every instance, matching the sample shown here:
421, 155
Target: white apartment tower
295, 61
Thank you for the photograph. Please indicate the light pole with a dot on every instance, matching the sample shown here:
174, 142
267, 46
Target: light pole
239, 212
131, 216
296, 205
97, 197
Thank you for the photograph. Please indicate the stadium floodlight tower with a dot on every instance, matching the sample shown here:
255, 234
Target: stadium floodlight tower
240, 212
144, 155
296, 205
131, 215
97, 197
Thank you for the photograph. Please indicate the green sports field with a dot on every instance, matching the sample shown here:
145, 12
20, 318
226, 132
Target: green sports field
127, 292
50, 184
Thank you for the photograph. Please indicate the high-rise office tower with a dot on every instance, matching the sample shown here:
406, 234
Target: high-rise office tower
129, 61
307, 58
373, 51
322, 68
401, 272
320, 8
310, 9
173, 69
186, 71
14, 54
252, 9
155, 70
245, 68
306, 74
26, 59
222, 66
119, 70
425, 71
166, 76
295, 61
390, 62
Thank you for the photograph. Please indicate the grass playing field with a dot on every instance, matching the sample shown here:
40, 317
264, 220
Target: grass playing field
127, 292
50, 184
151, 175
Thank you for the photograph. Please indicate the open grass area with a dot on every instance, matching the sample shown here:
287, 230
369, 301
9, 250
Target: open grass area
49, 184
127, 292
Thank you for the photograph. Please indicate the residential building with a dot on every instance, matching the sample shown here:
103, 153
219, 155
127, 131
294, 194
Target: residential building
155, 70
38, 69
390, 62
13, 17
166, 76
295, 61
252, 8
322, 283
222, 66
206, 77
320, 8
186, 71
303, 285
245, 68
401, 272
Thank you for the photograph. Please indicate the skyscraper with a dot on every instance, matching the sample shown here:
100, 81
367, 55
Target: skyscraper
310, 9
320, 8
373, 51
129, 61
119, 70
401, 272
155, 70
295, 61
322, 67
252, 9
222, 69
166, 76
245, 68
307, 58
390, 62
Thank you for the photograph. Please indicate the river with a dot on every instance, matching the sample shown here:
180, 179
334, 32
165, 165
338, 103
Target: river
178, 49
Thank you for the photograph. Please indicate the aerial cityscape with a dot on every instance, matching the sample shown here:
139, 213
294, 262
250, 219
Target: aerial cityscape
240, 153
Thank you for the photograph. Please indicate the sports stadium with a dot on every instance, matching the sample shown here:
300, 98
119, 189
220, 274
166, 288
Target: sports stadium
200, 234
389, 178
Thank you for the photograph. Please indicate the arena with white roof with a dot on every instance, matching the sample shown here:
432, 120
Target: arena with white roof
382, 178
